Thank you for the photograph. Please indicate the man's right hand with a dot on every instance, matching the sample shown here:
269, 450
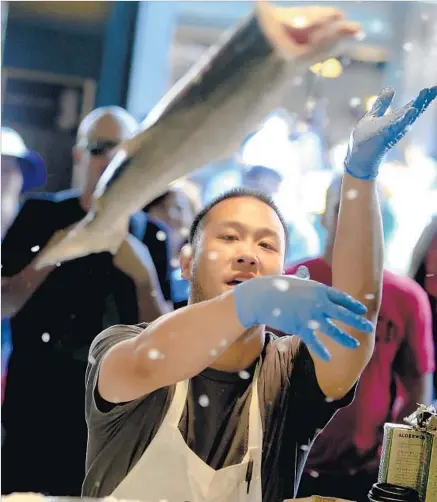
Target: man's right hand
299, 307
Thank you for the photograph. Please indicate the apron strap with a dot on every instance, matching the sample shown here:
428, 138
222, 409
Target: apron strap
177, 405
255, 424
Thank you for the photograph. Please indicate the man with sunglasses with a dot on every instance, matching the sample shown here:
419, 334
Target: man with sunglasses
55, 314
344, 459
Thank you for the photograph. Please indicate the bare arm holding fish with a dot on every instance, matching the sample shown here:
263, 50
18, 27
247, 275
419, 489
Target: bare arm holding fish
206, 115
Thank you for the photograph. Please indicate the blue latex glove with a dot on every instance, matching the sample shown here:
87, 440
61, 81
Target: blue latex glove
374, 135
300, 306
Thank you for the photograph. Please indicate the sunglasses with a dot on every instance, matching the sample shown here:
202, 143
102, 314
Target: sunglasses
100, 147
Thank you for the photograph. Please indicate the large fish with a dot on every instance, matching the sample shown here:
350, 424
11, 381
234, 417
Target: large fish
205, 116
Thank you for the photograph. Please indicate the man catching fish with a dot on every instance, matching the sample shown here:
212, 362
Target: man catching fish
204, 405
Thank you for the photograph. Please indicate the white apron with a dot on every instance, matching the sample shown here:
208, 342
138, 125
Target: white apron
169, 471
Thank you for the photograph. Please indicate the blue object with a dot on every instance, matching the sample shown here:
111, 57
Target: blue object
299, 306
180, 287
375, 134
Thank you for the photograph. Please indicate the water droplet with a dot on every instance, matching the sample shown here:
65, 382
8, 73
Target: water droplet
276, 312
91, 359
213, 255
355, 102
161, 236
244, 375
310, 105
360, 36
35, 249
155, 354
408, 47
297, 81
58, 264
329, 399
302, 272
174, 262
304, 447
281, 284
45, 337
313, 324
369, 296
153, 293
185, 232
223, 343
352, 194
213, 353
204, 400
377, 26
313, 473
187, 250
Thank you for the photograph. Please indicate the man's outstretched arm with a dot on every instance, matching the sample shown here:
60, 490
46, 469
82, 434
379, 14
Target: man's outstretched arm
357, 262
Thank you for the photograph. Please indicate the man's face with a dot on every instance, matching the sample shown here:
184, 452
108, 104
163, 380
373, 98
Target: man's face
241, 238
94, 152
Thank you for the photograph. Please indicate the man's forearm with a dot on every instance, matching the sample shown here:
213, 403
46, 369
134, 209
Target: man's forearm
17, 290
357, 267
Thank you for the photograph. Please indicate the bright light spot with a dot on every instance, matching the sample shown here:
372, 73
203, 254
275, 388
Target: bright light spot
281, 284
244, 375
35, 249
204, 400
355, 102
223, 343
332, 68
213, 353
369, 296
299, 22
310, 105
45, 337
329, 399
302, 272
408, 47
377, 26
161, 236
187, 250
352, 194
174, 262
213, 255
276, 312
360, 36
153, 293
424, 16
155, 354
313, 324
91, 359
58, 264
314, 474
185, 232
304, 447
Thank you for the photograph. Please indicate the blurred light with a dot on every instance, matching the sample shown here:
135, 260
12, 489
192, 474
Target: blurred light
337, 155
424, 16
299, 22
355, 102
370, 101
377, 26
331, 68
408, 47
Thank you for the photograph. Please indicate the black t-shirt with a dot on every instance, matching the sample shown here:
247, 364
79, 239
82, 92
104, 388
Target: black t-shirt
52, 333
292, 406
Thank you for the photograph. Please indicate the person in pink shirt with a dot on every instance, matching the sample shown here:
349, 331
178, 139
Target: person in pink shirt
344, 460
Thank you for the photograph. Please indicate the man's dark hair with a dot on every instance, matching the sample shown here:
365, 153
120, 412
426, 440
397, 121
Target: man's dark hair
232, 194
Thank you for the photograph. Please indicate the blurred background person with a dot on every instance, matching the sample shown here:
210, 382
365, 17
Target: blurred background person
56, 313
170, 217
344, 460
263, 179
21, 170
423, 270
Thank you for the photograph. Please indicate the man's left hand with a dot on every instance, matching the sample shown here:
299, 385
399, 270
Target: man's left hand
376, 133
